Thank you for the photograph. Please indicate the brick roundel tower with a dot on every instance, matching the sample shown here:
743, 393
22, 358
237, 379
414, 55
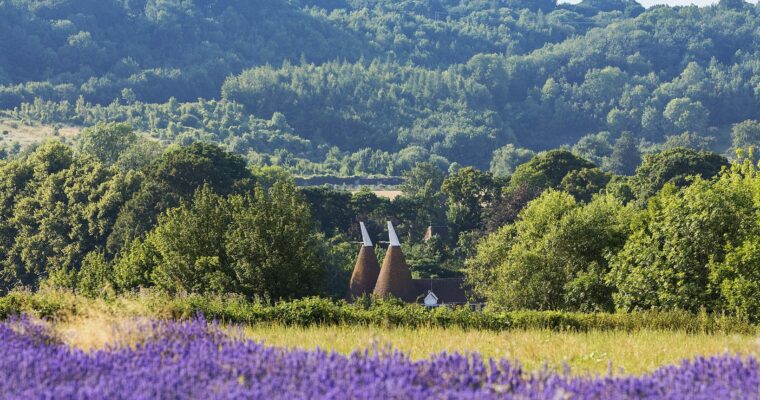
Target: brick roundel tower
395, 277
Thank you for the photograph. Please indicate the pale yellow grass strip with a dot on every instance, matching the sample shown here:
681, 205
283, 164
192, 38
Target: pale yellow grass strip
590, 352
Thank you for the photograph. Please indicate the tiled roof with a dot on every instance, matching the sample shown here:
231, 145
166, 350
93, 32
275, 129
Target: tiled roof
395, 278
365, 274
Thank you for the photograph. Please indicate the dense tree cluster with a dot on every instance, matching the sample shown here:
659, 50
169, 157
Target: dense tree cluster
691, 248
574, 157
372, 87
192, 219
558, 233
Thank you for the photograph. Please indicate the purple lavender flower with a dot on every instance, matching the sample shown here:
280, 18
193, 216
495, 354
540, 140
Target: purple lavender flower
197, 361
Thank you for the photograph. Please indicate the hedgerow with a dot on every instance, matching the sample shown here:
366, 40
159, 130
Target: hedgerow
58, 305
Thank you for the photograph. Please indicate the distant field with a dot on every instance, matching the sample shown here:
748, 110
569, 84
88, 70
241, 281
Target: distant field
390, 194
12, 131
591, 352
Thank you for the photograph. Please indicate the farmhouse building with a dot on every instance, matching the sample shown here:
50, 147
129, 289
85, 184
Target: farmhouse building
395, 279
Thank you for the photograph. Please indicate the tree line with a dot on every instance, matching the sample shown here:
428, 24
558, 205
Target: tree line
112, 214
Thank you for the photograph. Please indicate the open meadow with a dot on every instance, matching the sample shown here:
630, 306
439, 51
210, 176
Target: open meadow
595, 352
16, 131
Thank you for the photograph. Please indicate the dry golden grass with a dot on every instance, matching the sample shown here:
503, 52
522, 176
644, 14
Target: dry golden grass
27, 135
389, 194
590, 352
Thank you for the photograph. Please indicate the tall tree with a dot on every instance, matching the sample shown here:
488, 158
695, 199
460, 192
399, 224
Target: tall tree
107, 142
625, 155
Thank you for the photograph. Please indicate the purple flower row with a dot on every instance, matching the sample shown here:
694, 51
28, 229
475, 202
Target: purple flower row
194, 360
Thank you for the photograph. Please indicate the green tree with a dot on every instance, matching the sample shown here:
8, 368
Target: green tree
423, 181
134, 266
56, 208
553, 257
746, 134
469, 191
173, 177
666, 262
686, 115
736, 276
584, 184
274, 249
595, 148
506, 159
107, 142
95, 278
689, 140
625, 155
190, 242
675, 166
546, 170
422, 185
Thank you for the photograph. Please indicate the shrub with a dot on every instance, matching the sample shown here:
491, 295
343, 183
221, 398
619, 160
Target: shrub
369, 311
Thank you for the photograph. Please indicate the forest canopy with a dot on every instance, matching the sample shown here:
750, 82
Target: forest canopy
371, 87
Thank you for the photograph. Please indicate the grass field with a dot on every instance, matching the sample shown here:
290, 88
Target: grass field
592, 352
589, 352
95, 324
14, 131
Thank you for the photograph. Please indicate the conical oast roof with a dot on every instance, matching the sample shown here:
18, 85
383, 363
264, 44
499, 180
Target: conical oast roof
395, 277
365, 274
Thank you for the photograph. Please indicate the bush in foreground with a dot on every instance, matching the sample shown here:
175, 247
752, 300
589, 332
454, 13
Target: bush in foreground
193, 360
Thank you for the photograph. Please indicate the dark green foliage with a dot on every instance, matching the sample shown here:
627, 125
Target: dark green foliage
332, 208
469, 191
585, 183
153, 48
625, 156
507, 206
183, 169
506, 159
189, 242
746, 134
384, 313
107, 142
675, 166
174, 177
373, 87
56, 207
423, 186
259, 245
547, 170
273, 248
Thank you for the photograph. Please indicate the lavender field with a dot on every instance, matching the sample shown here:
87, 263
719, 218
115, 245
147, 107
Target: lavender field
197, 360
